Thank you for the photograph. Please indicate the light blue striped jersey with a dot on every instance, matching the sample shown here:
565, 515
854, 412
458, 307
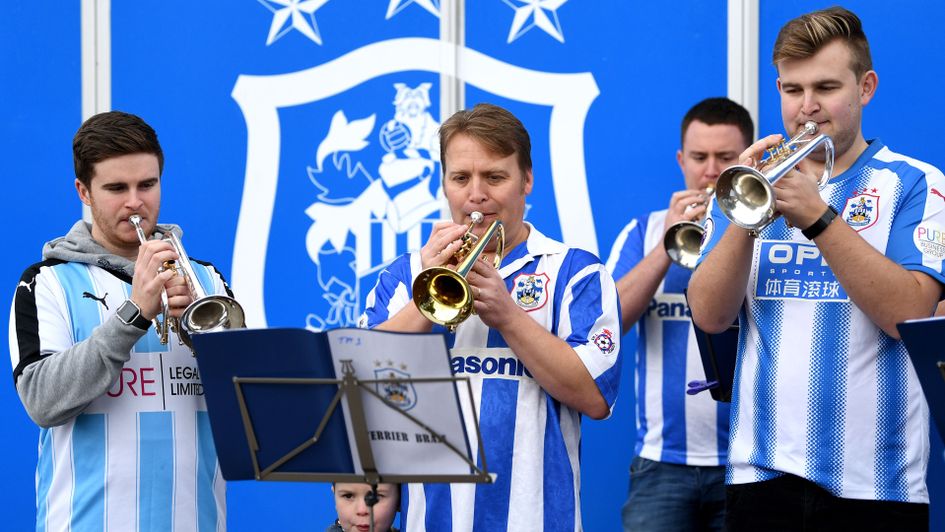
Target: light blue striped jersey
672, 426
140, 457
532, 441
821, 392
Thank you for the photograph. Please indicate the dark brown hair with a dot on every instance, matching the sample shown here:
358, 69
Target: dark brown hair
805, 35
112, 134
714, 111
492, 126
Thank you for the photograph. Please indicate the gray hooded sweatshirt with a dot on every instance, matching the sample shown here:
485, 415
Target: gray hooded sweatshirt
61, 385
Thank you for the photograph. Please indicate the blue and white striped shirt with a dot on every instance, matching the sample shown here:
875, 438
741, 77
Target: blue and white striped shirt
672, 426
139, 457
532, 441
821, 392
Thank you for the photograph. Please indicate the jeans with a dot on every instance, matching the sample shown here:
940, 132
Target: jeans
674, 497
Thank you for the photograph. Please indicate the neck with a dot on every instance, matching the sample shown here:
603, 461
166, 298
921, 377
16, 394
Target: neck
841, 162
514, 240
129, 252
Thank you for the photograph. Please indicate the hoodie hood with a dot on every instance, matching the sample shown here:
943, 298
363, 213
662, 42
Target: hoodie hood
79, 246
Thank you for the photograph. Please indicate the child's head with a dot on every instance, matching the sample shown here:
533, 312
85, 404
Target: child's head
353, 512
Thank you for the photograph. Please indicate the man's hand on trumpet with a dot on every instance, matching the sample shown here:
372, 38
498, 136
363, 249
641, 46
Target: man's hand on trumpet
179, 296
798, 199
445, 240
150, 276
491, 299
686, 206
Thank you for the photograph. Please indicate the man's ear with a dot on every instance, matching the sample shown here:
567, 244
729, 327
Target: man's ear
868, 85
84, 194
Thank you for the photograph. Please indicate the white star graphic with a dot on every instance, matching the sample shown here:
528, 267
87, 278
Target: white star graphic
531, 13
283, 10
396, 6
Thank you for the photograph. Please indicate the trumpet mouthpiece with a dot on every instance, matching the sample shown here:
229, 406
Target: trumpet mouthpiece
476, 217
134, 219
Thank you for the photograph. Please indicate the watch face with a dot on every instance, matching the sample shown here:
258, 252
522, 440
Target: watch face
128, 311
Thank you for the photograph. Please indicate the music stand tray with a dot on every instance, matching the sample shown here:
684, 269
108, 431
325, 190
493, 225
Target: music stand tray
923, 339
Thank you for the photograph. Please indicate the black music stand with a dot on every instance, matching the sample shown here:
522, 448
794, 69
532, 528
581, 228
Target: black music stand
718, 353
273, 398
923, 339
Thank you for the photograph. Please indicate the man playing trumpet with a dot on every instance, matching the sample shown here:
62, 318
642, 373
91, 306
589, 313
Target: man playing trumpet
125, 440
542, 349
829, 423
677, 475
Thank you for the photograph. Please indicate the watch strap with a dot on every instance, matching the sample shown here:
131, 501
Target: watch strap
818, 227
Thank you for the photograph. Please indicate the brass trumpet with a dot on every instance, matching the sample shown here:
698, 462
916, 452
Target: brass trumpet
443, 295
746, 194
206, 313
683, 241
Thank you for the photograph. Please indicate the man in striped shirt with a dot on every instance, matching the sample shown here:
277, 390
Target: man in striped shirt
677, 478
829, 423
125, 441
542, 349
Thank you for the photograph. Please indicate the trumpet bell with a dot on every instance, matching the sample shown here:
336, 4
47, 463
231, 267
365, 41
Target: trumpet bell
746, 197
443, 296
683, 243
210, 314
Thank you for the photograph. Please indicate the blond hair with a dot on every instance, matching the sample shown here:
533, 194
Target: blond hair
805, 35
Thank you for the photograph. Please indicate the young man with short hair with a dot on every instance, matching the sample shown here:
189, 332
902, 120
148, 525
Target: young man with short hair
829, 423
125, 440
677, 478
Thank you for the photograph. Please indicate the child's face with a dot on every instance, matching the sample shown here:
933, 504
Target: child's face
353, 513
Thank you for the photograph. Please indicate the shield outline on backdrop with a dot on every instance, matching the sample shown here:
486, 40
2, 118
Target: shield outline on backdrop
260, 98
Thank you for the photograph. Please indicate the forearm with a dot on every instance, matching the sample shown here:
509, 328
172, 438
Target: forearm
885, 291
554, 365
637, 287
717, 287
58, 387
408, 319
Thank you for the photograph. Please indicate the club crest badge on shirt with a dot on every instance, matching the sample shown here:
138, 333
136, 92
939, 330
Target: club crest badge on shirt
862, 210
604, 340
530, 290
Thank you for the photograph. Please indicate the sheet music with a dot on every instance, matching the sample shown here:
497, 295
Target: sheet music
399, 445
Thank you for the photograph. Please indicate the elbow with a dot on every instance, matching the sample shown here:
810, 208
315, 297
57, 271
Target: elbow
596, 409
42, 417
709, 321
